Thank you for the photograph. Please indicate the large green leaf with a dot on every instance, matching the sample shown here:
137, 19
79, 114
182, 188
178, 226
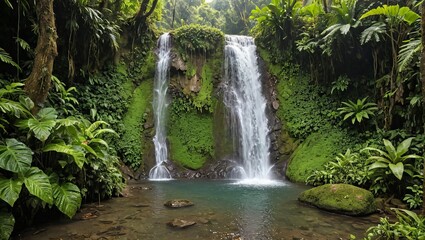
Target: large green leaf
15, 156
76, 152
38, 184
41, 129
7, 222
67, 198
47, 114
14, 108
9, 190
397, 169
403, 147
390, 150
378, 165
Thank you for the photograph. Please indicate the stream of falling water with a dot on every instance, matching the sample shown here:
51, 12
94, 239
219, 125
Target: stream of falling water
243, 97
162, 75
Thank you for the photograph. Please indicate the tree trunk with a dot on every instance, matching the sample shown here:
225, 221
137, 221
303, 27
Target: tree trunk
38, 83
423, 85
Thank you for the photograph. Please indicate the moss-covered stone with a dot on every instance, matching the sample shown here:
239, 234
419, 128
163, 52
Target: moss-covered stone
314, 152
191, 139
340, 198
132, 140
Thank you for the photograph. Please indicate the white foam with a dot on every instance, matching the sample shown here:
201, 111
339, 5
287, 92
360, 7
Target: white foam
260, 182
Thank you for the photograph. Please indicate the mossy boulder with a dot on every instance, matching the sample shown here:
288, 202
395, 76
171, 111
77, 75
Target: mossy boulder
340, 198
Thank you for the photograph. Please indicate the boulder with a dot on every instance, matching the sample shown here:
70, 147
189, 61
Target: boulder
180, 223
178, 203
340, 198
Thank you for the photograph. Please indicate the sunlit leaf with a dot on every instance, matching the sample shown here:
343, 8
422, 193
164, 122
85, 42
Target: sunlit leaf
9, 190
38, 184
15, 156
67, 198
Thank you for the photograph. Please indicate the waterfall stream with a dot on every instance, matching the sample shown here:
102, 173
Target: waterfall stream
162, 75
246, 108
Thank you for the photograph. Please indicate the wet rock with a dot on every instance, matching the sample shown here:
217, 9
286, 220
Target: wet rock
203, 220
177, 62
340, 198
275, 105
140, 205
180, 223
398, 203
178, 203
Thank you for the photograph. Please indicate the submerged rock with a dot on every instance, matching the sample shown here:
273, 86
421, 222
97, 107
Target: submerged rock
178, 203
180, 223
340, 198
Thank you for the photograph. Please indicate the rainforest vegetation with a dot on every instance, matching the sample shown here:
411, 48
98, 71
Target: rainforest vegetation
76, 83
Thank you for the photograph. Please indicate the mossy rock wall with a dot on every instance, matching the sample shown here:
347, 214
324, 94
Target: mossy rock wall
318, 149
194, 76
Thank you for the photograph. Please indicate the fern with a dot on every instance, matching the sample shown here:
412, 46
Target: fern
407, 52
5, 57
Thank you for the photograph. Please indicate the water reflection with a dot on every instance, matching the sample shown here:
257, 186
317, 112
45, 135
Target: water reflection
254, 213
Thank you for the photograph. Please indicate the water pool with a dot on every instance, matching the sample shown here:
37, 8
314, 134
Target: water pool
222, 210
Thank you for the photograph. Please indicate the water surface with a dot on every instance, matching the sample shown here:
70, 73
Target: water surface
222, 210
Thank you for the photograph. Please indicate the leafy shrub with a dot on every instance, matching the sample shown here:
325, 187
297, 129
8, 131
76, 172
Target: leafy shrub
348, 168
409, 226
43, 164
415, 199
198, 38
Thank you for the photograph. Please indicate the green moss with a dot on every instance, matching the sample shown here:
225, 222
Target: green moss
315, 151
131, 140
198, 38
340, 198
191, 139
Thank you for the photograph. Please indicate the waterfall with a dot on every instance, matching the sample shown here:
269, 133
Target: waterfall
246, 108
162, 75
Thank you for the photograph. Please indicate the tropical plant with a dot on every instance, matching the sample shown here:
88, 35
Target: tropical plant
398, 21
343, 18
198, 39
357, 111
389, 166
409, 226
75, 147
275, 23
415, 198
393, 159
347, 168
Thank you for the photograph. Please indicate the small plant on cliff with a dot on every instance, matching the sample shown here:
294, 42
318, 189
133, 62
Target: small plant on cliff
198, 38
357, 111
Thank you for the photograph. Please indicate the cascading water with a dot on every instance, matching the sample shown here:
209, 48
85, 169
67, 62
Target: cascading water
246, 108
162, 74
